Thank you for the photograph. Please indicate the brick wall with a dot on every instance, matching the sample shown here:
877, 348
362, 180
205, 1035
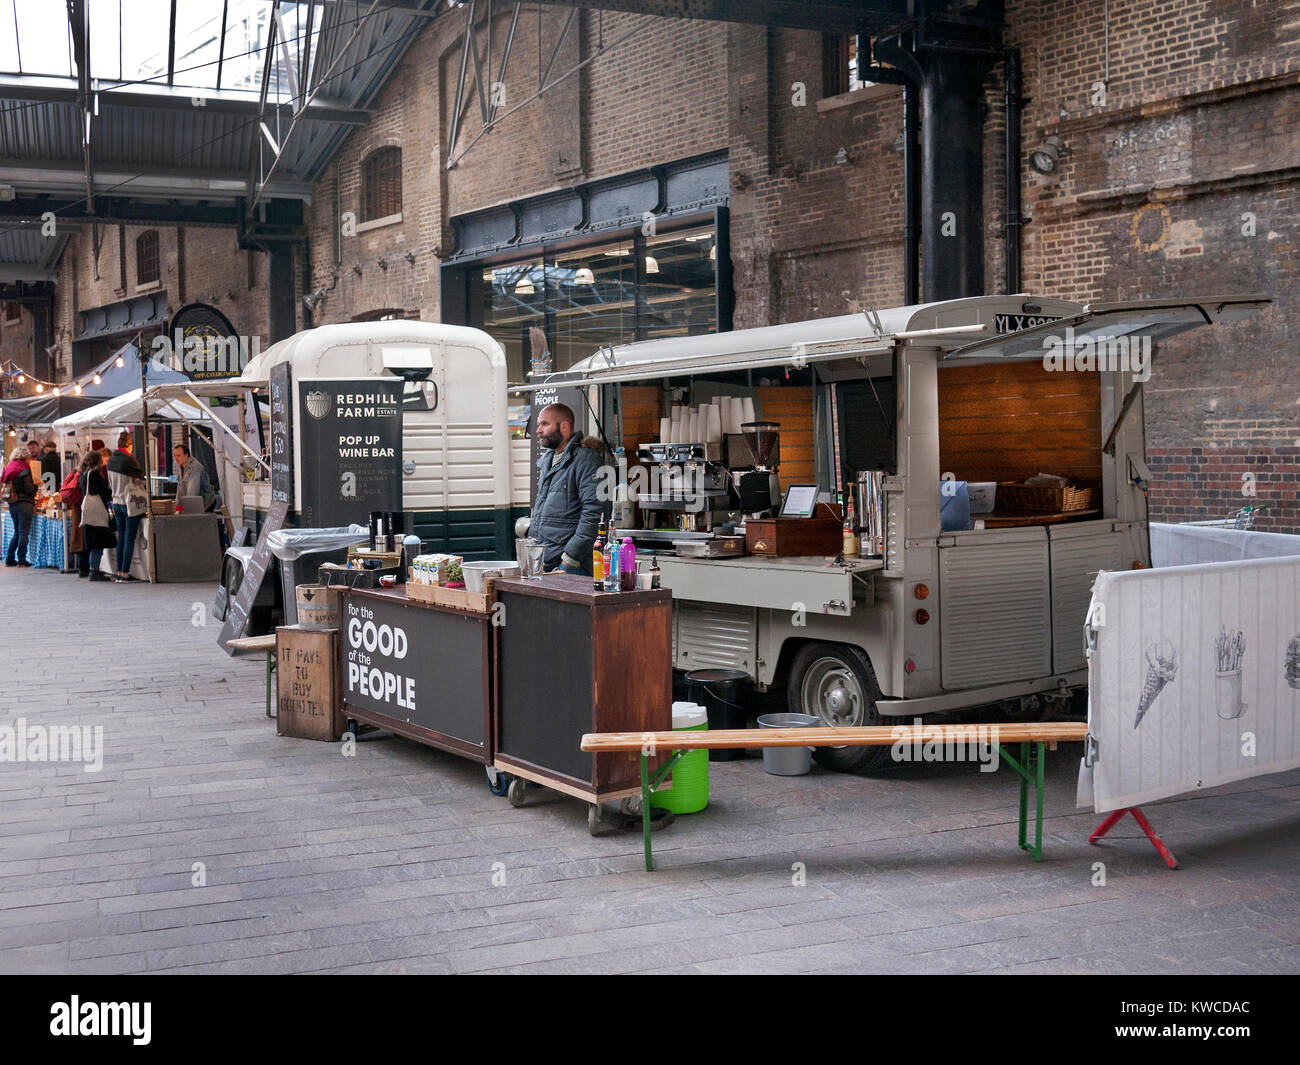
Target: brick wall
1182, 182
659, 95
215, 272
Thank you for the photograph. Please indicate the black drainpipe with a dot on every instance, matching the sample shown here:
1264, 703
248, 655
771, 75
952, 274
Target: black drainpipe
1013, 223
911, 194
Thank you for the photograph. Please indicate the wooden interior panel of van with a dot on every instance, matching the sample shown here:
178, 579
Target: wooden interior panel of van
792, 406
1009, 421
641, 412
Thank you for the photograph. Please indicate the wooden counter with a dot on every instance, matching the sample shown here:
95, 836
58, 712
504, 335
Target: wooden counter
433, 683
571, 661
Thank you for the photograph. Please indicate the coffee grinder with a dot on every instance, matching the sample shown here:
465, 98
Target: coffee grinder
757, 487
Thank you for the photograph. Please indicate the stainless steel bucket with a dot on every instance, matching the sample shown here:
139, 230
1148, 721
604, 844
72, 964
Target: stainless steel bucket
788, 761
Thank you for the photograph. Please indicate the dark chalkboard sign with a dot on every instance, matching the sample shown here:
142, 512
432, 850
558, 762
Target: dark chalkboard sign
281, 433
236, 623
421, 666
573, 399
351, 437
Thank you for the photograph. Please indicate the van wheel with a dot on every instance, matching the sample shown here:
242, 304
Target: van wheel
837, 684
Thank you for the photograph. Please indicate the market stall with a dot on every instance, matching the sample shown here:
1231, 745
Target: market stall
172, 546
31, 418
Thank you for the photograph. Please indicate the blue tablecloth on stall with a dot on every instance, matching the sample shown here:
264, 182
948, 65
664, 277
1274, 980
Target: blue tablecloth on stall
44, 544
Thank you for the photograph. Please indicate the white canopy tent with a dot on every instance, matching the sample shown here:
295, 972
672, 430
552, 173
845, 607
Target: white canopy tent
128, 409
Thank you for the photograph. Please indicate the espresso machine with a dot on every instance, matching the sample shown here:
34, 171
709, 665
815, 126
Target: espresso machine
689, 482
753, 468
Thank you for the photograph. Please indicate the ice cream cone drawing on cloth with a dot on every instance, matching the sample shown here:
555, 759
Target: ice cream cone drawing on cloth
1162, 667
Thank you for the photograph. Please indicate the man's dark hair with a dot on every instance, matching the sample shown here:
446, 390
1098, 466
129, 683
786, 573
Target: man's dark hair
564, 413
181, 447
50, 445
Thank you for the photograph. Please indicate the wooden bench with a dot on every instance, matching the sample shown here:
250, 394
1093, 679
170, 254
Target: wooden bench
1034, 739
251, 645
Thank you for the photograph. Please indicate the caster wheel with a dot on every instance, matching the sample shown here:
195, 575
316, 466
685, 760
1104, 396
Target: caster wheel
515, 791
631, 806
595, 820
352, 728
498, 782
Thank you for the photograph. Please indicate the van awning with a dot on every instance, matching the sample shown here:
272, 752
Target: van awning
1157, 319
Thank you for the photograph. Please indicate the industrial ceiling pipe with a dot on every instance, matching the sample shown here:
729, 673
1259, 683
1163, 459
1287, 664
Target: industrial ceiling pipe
952, 177
1014, 223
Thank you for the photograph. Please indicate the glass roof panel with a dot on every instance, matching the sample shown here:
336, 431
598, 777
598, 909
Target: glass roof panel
43, 38
105, 39
131, 41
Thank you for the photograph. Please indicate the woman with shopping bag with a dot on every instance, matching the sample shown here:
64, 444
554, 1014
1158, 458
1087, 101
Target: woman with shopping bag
97, 532
130, 502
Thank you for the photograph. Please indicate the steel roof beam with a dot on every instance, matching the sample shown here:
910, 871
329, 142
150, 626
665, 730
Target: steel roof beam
27, 88
876, 17
385, 7
189, 182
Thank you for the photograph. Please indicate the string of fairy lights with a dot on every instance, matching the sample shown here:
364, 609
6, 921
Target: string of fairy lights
17, 377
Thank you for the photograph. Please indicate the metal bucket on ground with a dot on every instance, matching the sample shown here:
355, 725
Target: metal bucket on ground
317, 606
788, 761
724, 694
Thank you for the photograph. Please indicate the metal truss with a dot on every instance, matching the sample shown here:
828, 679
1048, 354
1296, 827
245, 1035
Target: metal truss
489, 100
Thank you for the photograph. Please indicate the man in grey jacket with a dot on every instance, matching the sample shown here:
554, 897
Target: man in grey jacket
566, 508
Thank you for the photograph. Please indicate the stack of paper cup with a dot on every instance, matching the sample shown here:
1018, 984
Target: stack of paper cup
747, 410
665, 430
713, 424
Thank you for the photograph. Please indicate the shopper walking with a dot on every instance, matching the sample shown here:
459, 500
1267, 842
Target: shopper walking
130, 501
20, 491
97, 533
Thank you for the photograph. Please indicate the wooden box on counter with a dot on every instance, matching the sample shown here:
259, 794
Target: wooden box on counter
570, 661
793, 537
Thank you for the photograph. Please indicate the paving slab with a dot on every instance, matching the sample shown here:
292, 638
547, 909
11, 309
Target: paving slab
207, 844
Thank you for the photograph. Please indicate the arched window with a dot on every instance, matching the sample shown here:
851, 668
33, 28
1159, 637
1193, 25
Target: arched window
381, 184
146, 257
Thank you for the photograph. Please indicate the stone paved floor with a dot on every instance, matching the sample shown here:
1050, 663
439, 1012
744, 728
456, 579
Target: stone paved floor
384, 862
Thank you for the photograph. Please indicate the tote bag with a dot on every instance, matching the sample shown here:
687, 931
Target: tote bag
93, 511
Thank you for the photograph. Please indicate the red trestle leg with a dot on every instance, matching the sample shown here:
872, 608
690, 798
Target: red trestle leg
1115, 815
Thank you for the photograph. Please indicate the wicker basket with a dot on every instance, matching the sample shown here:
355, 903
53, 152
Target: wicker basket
1045, 498
162, 507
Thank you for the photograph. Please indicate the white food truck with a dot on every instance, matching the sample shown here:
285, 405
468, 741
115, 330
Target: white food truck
939, 612
456, 448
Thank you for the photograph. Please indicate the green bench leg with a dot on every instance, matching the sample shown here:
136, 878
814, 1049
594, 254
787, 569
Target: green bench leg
648, 786
645, 811
1032, 769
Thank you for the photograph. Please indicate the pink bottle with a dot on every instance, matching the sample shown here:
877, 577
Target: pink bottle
627, 565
